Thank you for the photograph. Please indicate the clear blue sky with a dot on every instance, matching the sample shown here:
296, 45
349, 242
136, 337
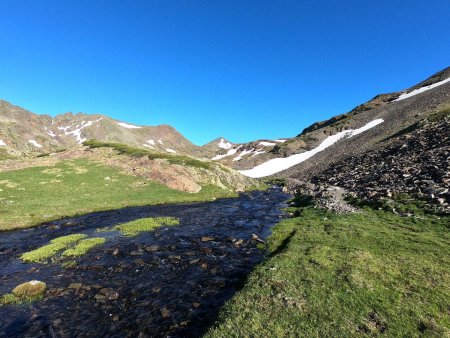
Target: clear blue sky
242, 69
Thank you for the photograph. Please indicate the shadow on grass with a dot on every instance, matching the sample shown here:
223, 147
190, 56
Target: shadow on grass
283, 245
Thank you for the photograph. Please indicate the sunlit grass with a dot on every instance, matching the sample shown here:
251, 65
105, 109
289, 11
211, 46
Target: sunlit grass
39, 194
46, 252
83, 247
365, 274
145, 224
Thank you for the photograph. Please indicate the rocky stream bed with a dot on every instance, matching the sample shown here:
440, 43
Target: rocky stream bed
168, 282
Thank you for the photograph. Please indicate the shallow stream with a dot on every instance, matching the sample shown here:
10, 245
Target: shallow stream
168, 282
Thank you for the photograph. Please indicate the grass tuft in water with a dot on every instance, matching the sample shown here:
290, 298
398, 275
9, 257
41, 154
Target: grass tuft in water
145, 224
83, 247
42, 254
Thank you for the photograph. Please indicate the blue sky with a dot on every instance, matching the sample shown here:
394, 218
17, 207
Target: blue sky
240, 69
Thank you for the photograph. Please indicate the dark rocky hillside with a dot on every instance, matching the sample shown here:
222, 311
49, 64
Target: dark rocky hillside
415, 165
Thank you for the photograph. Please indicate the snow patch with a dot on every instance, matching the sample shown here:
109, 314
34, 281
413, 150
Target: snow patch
421, 90
128, 126
152, 142
279, 164
267, 144
33, 142
77, 132
2, 143
170, 151
224, 144
50, 133
229, 153
160, 141
147, 145
245, 152
280, 141
257, 152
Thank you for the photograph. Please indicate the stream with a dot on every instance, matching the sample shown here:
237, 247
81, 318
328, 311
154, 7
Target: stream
168, 282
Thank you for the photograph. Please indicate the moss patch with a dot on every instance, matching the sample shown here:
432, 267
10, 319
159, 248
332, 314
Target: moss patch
83, 246
145, 224
42, 254
25, 292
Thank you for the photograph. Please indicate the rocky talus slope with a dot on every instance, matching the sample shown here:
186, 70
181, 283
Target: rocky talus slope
414, 164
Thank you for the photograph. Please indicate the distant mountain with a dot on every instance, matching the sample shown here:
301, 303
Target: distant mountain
22, 131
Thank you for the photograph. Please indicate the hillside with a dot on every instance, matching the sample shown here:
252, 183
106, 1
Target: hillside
23, 132
365, 128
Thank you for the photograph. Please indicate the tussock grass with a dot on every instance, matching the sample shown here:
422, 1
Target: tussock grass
364, 274
46, 252
145, 224
83, 246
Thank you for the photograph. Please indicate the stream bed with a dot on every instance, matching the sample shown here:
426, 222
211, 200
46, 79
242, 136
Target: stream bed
168, 282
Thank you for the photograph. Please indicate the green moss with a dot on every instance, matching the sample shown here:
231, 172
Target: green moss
83, 246
25, 292
9, 299
29, 289
46, 252
145, 224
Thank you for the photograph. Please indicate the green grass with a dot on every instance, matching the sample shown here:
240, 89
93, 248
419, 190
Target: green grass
40, 194
26, 292
46, 252
363, 274
145, 224
83, 246
139, 152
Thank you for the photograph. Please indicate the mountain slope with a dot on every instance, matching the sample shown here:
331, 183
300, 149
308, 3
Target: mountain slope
22, 131
365, 128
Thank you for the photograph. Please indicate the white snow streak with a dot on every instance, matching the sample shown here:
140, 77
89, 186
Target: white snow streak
281, 141
245, 152
267, 144
279, 164
421, 90
77, 132
229, 153
2, 143
225, 145
257, 152
170, 151
147, 145
33, 142
160, 141
128, 126
152, 142
50, 133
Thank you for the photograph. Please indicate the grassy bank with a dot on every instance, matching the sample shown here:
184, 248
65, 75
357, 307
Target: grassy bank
34, 195
328, 275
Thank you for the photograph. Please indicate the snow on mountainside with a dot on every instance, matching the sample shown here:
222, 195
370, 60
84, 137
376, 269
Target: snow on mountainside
276, 165
310, 151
